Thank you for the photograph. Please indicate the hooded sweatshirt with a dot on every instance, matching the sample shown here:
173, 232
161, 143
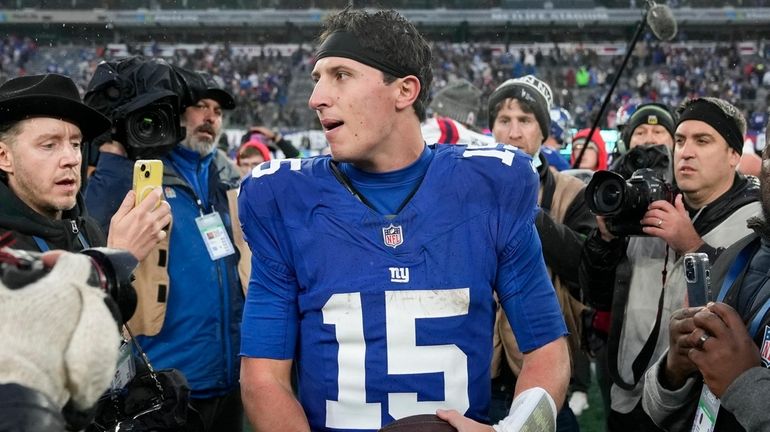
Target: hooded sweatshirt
25, 223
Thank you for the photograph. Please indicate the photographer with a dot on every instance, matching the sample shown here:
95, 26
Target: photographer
190, 293
722, 344
640, 277
60, 343
43, 123
646, 140
650, 124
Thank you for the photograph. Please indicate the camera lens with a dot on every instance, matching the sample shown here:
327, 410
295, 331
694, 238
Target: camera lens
149, 126
151, 130
689, 270
143, 167
146, 174
609, 197
606, 193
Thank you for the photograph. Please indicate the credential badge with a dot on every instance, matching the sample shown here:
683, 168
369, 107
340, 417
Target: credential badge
392, 235
765, 350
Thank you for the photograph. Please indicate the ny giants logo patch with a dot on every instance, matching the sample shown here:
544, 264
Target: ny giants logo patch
392, 235
765, 351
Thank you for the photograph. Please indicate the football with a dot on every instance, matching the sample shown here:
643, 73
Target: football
419, 423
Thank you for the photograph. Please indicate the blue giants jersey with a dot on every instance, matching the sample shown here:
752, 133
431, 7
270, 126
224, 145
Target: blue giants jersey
392, 316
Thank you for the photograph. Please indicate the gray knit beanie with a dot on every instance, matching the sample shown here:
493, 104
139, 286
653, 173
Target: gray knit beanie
459, 100
528, 90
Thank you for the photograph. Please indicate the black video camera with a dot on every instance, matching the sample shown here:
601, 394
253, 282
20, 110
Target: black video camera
624, 203
111, 271
144, 98
151, 130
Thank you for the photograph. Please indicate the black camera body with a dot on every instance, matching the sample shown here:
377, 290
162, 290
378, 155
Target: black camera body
111, 271
624, 203
144, 98
657, 157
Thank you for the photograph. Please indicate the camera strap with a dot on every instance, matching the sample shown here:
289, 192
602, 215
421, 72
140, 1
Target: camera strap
642, 361
737, 272
43, 246
145, 360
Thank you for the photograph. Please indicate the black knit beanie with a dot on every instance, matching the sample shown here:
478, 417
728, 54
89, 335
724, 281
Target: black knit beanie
649, 114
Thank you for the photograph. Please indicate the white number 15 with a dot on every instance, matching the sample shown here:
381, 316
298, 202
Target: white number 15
405, 357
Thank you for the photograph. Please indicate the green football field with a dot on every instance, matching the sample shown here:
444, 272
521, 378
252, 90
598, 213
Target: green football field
592, 419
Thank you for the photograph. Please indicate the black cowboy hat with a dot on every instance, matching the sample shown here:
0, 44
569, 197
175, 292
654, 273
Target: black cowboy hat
49, 95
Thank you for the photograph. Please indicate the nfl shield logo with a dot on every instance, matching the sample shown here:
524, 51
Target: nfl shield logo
392, 236
765, 350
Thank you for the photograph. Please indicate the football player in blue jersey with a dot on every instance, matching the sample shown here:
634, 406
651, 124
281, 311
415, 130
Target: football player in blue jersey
375, 268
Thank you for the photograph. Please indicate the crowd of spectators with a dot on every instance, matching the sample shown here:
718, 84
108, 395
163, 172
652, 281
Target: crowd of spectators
663, 73
260, 83
15, 52
272, 86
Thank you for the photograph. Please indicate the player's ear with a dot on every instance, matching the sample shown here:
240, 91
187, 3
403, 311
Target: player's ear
408, 91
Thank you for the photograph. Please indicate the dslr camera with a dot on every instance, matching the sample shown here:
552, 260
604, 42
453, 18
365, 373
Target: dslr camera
624, 202
144, 98
111, 271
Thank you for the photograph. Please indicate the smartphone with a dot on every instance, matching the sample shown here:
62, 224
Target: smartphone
148, 174
697, 273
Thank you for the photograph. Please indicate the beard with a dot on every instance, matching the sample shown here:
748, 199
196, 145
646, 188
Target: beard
202, 145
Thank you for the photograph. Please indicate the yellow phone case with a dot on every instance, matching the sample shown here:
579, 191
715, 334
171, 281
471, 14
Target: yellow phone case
148, 174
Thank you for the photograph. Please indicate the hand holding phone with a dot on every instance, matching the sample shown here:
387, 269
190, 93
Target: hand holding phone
148, 175
697, 273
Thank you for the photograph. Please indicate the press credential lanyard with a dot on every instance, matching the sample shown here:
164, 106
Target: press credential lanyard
214, 234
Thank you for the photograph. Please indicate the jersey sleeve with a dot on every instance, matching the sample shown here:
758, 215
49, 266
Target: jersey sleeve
523, 284
270, 317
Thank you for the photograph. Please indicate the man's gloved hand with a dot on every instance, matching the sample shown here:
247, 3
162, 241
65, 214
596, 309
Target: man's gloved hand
58, 335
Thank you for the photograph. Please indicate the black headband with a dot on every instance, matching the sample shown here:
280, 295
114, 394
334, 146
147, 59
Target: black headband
710, 113
345, 44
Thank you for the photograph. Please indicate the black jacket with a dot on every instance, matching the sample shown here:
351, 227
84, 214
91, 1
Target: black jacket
562, 242
17, 217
